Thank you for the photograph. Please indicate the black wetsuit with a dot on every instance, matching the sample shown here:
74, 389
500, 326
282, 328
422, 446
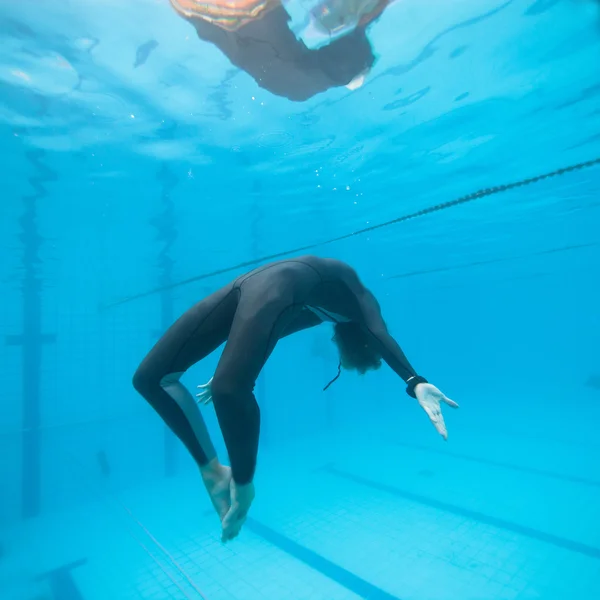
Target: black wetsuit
251, 314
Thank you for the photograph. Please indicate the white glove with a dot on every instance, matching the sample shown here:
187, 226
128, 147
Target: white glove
205, 396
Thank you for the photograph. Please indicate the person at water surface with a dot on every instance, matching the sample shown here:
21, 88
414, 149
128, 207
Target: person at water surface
249, 315
257, 37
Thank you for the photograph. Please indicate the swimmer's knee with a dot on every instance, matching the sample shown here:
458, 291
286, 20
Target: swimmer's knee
138, 381
234, 401
224, 387
144, 380
219, 387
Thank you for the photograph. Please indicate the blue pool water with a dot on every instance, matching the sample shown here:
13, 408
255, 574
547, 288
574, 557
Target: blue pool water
142, 170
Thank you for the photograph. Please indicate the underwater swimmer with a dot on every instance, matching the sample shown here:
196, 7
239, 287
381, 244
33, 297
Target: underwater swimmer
251, 314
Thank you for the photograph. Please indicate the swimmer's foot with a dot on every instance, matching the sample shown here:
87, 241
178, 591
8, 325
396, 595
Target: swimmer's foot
217, 480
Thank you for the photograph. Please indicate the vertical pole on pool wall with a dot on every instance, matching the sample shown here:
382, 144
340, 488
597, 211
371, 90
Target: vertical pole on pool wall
261, 385
164, 223
32, 339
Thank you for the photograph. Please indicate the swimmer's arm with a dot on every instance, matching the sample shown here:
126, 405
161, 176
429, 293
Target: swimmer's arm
373, 321
305, 320
386, 344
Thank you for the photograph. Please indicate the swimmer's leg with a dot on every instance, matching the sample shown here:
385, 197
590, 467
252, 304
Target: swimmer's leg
171, 384
216, 477
260, 321
200, 331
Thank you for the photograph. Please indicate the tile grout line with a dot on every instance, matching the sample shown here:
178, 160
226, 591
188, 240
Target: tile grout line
474, 515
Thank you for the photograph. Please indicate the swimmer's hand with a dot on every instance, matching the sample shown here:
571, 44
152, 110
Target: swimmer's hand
430, 399
241, 500
205, 396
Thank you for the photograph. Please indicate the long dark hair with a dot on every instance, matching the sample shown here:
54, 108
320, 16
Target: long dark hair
356, 350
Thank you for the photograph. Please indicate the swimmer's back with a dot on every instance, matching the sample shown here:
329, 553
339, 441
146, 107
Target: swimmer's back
327, 269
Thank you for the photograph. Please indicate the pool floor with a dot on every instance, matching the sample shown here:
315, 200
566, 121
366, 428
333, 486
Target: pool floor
337, 520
